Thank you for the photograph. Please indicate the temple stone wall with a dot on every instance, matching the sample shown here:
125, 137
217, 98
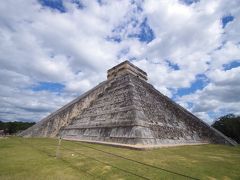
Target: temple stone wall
131, 111
169, 121
52, 124
126, 109
111, 116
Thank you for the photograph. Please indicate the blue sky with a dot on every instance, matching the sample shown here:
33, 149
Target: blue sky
56, 4
48, 86
54, 50
226, 19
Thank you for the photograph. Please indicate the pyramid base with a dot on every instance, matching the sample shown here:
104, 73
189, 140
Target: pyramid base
137, 146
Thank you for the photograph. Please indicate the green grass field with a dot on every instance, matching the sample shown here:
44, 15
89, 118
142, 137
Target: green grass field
35, 158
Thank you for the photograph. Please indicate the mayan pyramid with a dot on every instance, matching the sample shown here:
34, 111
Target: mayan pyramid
125, 109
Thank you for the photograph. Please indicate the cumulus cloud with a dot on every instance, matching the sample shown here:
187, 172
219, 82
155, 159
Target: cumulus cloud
221, 95
73, 44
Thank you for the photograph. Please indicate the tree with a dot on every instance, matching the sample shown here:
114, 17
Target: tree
229, 125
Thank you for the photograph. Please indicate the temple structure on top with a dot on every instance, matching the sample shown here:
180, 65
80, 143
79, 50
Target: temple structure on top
126, 67
126, 110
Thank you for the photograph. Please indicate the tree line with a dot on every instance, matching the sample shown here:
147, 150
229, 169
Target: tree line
229, 125
14, 127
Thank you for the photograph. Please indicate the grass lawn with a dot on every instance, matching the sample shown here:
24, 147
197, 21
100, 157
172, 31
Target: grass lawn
34, 158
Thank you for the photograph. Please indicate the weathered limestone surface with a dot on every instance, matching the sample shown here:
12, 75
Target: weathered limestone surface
52, 124
131, 111
126, 109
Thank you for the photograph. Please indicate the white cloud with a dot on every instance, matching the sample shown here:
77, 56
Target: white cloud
218, 97
72, 48
228, 52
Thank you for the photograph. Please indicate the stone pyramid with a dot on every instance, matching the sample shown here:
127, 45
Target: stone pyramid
126, 109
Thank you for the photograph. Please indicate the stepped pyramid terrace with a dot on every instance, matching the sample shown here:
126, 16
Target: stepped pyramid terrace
126, 110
